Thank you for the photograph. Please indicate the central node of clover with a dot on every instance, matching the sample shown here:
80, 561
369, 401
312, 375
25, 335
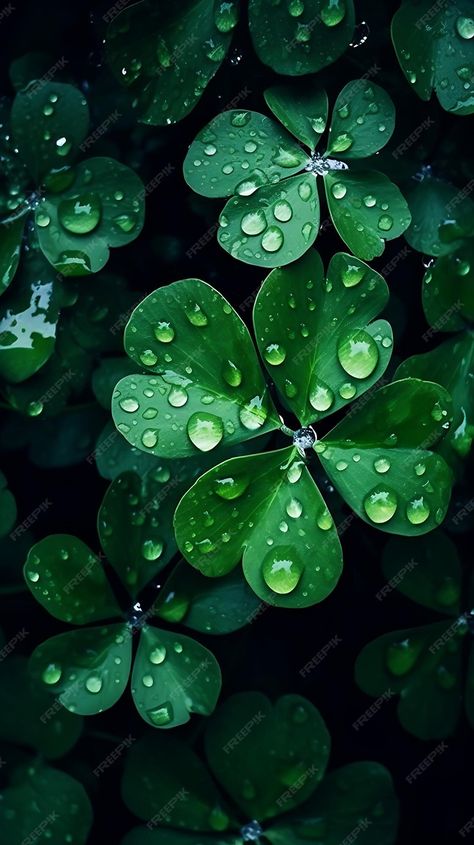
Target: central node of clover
320, 165
304, 438
251, 832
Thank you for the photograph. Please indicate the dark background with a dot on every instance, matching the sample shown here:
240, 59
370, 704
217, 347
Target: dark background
268, 654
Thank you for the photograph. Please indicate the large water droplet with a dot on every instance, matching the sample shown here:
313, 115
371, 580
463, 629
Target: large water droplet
321, 396
177, 397
352, 275
282, 570
358, 354
80, 215
465, 26
157, 655
149, 438
231, 374
272, 239
164, 331
152, 549
93, 684
52, 673
253, 414
231, 487
253, 223
129, 404
338, 190
381, 465
401, 657
283, 211
274, 354
205, 431
380, 504
161, 715
333, 12
195, 314
418, 510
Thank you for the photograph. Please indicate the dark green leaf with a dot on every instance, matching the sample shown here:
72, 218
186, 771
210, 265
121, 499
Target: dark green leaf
362, 122
86, 670
10, 244
68, 580
7, 507
434, 203
448, 290
306, 328
267, 510
287, 745
379, 457
301, 110
173, 676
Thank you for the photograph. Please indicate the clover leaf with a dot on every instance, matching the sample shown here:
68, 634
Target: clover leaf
434, 47
423, 664
205, 391
273, 215
7, 507
42, 801
310, 35
80, 209
167, 56
448, 290
284, 790
88, 669
442, 215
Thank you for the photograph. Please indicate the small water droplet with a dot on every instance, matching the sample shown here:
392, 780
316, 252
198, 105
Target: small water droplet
274, 354
52, 674
164, 331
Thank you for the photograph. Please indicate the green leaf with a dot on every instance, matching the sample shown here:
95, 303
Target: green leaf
11, 235
303, 111
211, 390
238, 152
100, 312
448, 290
104, 378
423, 666
113, 455
68, 580
167, 56
365, 225
87, 669
173, 676
434, 203
451, 364
102, 207
426, 569
49, 120
135, 524
362, 122
8, 509
357, 800
435, 51
306, 326
33, 65
26, 719
273, 226
286, 743
29, 315
44, 802
180, 794
380, 460
300, 37
267, 509
208, 605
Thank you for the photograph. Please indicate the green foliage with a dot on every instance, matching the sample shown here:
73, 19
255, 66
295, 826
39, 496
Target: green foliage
273, 217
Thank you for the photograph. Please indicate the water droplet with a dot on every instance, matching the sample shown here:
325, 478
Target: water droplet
157, 655
341, 143
282, 570
401, 657
437, 412
333, 12
296, 8
347, 390
380, 505
129, 404
161, 715
125, 222
304, 190
80, 215
218, 820
382, 465
369, 201
164, 332
231, 487
321, 396
52, 674
250, 146
418, 510
147, 680
253, 223
358, 354
63, 146
324, 520
290, 388
240, 118
177, 397
93, 684
272, 239
294, 508
150, 438
465, 26
231, 374
195, 314
352, 275
385, 222
341, 465
205, 431
283, 211
42, 219
274, 354
338, 190
420, 468
152, 549
148, 358
253, 414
